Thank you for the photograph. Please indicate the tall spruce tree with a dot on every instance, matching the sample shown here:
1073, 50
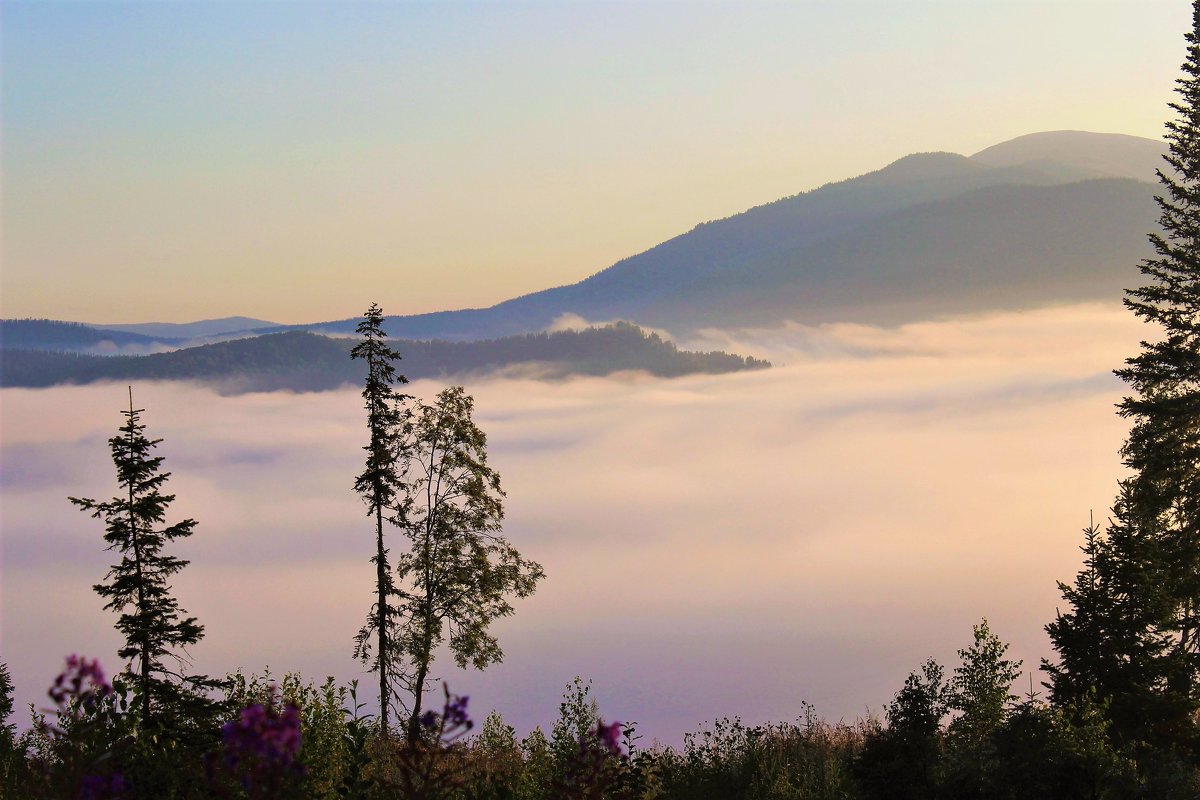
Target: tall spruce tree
138, 587
380, 486
1094, 637
1134, 634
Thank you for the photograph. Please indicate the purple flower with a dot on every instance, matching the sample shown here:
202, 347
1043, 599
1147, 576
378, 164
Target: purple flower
609, 736
455, 712
454, 717
81, 680
264, 735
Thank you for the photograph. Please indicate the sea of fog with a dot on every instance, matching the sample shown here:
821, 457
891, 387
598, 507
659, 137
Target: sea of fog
714, 545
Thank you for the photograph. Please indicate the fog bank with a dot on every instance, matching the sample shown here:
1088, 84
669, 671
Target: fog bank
714, 545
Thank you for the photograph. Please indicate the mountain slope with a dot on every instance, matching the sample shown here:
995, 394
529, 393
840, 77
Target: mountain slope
192, 330
1110, 155
45, 334
1005, 246
1037, 220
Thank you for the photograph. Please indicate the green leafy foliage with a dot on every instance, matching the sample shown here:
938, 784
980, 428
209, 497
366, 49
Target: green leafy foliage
458, 573
980, 691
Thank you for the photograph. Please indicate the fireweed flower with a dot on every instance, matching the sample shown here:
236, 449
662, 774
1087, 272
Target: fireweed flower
609, 737
598, 744
77, 691
591, 769
452, 723
79, 694
264, 737
455, 711
81, 680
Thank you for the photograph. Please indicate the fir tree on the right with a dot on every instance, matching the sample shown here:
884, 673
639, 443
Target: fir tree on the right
1131, 642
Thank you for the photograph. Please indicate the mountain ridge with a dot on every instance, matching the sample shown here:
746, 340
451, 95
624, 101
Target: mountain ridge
929, 234
651, 287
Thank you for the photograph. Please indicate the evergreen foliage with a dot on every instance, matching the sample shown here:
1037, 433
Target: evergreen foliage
6, 707
9, 758
378, 643
155, 628
901, 760
1134, 631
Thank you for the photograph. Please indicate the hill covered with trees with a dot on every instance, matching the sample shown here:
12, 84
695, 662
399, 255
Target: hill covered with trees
303, 361
51, 334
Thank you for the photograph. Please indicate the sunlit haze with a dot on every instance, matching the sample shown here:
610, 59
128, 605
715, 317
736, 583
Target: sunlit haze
179, 161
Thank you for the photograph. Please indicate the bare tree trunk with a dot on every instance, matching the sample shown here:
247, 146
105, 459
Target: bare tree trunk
381, 619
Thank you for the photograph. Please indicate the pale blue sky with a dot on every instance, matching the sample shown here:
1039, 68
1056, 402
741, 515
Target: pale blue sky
173, 161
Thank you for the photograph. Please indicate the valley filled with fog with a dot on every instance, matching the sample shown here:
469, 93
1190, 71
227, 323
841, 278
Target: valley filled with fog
714, 545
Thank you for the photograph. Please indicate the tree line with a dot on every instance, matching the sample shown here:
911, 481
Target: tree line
305, 361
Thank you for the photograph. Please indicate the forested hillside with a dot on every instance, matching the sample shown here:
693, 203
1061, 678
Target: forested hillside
49, 334
302, 361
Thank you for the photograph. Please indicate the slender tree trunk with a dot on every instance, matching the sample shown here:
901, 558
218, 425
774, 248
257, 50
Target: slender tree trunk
144, 658
384, 651
414, 720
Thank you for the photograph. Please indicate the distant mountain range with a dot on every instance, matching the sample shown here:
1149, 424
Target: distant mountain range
78, 337
303, 361
43, 334
1045, 218
1041, 219
191, 330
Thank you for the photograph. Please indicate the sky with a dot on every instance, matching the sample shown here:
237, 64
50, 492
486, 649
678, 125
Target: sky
297, 161
713, 545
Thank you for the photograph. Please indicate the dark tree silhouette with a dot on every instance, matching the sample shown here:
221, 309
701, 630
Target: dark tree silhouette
459, 572
1134, 633
138, 587
380, 484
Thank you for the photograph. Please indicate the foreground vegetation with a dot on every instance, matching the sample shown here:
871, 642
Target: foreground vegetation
956, 736
291, 739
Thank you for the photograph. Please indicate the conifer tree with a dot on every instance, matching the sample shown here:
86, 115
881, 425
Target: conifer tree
138, 587
1134, 633
380, 485
7, 731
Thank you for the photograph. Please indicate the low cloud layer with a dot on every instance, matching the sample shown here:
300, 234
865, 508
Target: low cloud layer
714, 546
